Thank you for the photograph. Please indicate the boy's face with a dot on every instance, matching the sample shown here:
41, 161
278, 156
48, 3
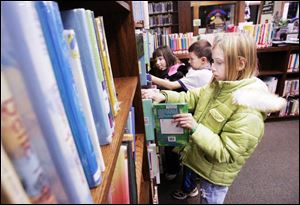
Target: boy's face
161, 63
218, 65
195, 62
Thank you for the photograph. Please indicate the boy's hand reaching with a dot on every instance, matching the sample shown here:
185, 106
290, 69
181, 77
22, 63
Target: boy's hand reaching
185, 120
150, 94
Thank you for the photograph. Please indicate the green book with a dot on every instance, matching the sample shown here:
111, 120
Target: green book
167, 132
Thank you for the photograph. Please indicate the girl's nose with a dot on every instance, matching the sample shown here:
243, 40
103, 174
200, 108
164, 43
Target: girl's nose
213, 67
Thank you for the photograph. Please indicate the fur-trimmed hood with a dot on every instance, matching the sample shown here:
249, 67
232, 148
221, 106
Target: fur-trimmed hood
256, 95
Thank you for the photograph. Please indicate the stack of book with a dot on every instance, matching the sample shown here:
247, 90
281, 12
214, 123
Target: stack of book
58, 102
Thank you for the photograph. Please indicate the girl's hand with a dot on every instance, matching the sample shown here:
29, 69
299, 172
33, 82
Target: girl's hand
185, 120
150, 94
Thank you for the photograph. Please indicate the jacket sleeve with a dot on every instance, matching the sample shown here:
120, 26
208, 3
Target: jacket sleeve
237, 140
191, 97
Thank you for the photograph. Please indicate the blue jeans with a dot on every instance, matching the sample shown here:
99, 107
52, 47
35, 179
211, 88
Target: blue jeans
188, 180
212, 193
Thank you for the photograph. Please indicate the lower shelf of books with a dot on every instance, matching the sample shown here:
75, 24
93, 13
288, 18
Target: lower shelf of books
125, 88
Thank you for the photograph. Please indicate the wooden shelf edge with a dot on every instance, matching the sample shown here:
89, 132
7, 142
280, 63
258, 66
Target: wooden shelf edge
125, 88
182, 55
278, 48
270, 72
144, 197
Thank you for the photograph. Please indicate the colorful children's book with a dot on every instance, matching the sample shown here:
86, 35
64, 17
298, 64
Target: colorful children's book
103, 50
76, 68
77, 19
15, 139
53, 31
119, 187
30, 51
96, 57
167, 132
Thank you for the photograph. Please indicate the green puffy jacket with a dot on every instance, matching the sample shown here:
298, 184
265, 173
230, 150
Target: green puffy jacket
230, 116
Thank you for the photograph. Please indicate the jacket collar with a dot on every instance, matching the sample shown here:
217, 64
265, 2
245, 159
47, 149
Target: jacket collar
252, 93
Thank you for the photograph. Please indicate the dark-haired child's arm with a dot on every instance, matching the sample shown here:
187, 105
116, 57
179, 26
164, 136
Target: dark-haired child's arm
171, 85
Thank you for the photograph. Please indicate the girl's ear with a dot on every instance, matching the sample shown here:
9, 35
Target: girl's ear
241, 63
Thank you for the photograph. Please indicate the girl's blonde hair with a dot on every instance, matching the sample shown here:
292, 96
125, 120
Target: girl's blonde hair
236, 46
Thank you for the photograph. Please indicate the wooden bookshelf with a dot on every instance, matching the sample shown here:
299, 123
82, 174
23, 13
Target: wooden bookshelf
119, 29
183, 56
266, 73
125, 87
173, 13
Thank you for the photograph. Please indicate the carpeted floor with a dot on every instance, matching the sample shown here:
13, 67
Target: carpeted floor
270, 176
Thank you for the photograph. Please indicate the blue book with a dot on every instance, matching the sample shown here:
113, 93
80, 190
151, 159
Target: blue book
53, 31
99, 66
30, 50
76, 19
141, 58
74, 58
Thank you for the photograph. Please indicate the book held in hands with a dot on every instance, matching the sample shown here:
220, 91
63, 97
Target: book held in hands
169, 133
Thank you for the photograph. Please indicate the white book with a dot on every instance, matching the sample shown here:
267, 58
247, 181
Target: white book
77, 19
32, 55
33, 128
76, 68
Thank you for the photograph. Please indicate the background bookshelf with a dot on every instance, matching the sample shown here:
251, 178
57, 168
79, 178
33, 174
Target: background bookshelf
163, 16
274, 61
174, 10
119, 31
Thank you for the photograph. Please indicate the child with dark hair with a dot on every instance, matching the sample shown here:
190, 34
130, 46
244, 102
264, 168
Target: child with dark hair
165, 65
198, 75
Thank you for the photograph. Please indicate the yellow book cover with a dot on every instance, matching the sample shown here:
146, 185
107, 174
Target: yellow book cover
106, 64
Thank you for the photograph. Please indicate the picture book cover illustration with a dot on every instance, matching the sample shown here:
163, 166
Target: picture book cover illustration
167, 132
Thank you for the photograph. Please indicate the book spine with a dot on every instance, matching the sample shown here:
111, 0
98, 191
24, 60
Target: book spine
76, 68
53, 31
106, 63
106, 82
148, 119
76, 19
99, 67
131, 173
15, 140
119, 184
31, 52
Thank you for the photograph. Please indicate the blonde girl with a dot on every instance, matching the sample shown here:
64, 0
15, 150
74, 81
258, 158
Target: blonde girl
229, 114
